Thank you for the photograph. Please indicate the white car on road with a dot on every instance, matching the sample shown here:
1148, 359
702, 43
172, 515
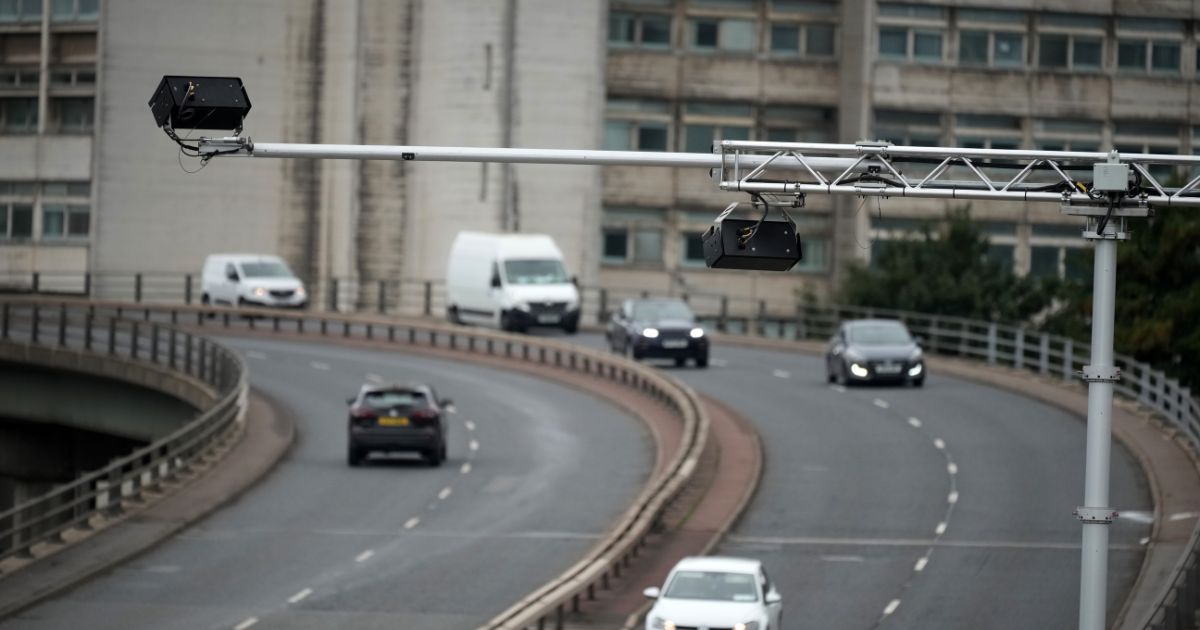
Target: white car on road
716, 592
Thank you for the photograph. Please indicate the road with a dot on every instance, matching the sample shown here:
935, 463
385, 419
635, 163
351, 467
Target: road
536, 473
947, 506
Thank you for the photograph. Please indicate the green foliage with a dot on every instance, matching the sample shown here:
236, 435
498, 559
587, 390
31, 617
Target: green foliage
947, 273
1158, 296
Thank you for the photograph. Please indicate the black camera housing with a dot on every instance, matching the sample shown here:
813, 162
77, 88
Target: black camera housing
200, 102
773, 246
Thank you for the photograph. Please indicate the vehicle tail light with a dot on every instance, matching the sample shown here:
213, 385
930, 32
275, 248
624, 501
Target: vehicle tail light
424, 416
362, 415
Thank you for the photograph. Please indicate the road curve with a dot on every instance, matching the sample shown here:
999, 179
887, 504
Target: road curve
536, 473
942, 507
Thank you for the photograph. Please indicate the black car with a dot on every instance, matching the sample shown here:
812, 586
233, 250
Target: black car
393, 418
658, 328
874, 350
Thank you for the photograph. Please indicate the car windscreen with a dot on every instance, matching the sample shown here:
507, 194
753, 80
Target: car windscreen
394, 399
712, 585
534, 272
878, 335
658, 311
266, 270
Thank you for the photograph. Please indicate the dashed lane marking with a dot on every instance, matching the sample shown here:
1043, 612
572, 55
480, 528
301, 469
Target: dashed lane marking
466, 468
444, 493
882, 404
374, 378
299, 597
782, 374
953, 498
474, 445
317, 365
940, 529
939, 444
841, 389
891, 607
364, 556
246, 623
718, 362
915, 423
921, 562
842, 558
411, 523
470, 425
952, 468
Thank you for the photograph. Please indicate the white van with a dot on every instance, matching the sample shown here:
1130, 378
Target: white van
250, 280
510, 281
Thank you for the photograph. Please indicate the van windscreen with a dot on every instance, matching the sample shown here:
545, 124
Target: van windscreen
266, 270
534, 272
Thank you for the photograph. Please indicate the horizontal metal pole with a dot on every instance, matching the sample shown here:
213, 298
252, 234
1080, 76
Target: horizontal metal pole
586, 157
930, 191
944, 152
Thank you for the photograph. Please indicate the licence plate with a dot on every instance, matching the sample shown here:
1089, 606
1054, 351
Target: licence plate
888, 368
548, 318
392, 421
674, 343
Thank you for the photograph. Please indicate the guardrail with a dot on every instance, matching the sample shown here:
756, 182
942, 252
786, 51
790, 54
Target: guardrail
605, 560
108, 491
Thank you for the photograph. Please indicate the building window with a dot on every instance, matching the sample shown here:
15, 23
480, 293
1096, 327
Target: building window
19, 114
72, 77
1067, 134
814, 253
692, 249
75, 11
802, 40
712, 34
1002, 255
72, 114
800, 124
637, 125
16, 221
1149, 45
991, 38
632, 236
20, 11
706, 123
1071, 41
908, 128
66, 212
23, 79
910, 32
1045, 261
639, 30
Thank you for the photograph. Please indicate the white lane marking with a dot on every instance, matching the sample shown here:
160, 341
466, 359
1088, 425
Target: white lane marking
841, 389
474, 445
470, 425
718, 362
246, 623
466, 468
364, 556
1137, 516
882, 404
411, 523
444, 493
952, 468
782, 373
251, 354
914, 542
1180, 516
374, 378
842, 558
953, 498
940, 529
939, 444
317, 365
1144, 541
921, 562
298, 597
891, 607
451, 409
915, 423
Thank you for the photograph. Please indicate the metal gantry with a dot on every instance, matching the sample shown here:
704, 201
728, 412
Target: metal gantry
1107, 189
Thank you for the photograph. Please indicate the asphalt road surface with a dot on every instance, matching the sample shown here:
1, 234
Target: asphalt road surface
536, 473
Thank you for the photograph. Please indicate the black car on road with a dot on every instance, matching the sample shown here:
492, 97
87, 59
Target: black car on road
874, 350
396, 418
659, 328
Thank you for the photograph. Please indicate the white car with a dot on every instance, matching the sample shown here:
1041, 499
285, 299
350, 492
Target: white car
716, 592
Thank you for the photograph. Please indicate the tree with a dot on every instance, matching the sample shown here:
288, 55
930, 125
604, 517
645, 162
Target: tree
1158, 295
947, 273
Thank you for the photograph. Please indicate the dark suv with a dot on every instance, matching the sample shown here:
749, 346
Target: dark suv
390, 418
658, 328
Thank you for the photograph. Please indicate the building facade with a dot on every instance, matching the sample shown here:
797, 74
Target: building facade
87, 183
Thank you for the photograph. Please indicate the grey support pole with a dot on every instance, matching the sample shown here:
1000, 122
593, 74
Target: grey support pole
1100, 375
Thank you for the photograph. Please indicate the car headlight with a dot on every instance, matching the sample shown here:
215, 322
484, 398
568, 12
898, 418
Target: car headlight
662, 624
300, 291
697, 333
260, 291
858, 370
521, 306
749, 625
916, 370
650, 333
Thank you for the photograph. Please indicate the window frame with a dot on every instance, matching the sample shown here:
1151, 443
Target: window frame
638, 18
913, 27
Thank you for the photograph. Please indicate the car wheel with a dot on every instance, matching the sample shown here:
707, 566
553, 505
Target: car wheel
207, 302
354, 457
702, 360
918, 382
434, 457
680, 361
452, 315
840, 376
571, 327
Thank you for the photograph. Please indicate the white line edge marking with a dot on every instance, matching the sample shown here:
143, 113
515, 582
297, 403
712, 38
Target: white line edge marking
881, 403
939, 444
941, 528
254, 354
250, 621
374, 378
782, 373
953, 498
298, 597
474, 445
843, 559
317, 365
838, 388
444, 493
915, 423
411, 523
921, 562
466, 468
952, 468
470, 425
891, 607
718, 362
364, 556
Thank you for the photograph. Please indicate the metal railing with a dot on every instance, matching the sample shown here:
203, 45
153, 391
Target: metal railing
549, 603
109, 491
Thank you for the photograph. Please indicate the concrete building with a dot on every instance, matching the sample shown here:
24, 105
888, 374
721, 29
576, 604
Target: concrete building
87, 183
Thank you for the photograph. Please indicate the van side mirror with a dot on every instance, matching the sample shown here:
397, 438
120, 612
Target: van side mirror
919, 340
446, 402
575, 280
350, 401
495, 282
232, 276
652, 592
773, 597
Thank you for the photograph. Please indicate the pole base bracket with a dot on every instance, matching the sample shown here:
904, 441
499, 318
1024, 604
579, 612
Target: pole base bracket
1094, 374
1095, 515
